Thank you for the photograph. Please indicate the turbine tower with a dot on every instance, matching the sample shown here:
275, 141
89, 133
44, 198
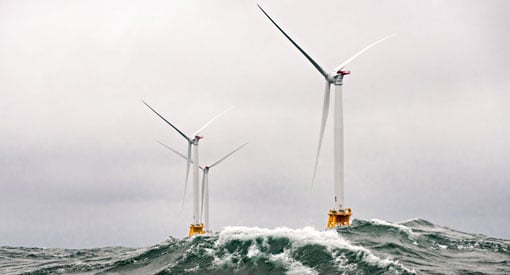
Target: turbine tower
204, 216
338, 216
196, 227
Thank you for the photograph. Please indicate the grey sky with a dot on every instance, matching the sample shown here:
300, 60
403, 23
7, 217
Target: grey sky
426, 115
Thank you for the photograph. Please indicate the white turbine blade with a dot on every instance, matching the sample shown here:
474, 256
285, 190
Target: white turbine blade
341, 66
203, 196
187, 175
325, 112
228, 155
179, 131
213, 119
188, 164
315, 64
176, 152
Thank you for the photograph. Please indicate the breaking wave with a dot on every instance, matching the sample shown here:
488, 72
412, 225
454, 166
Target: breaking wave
366, 247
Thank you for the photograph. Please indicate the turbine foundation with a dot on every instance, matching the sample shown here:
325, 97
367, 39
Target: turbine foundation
196, 229
338, 218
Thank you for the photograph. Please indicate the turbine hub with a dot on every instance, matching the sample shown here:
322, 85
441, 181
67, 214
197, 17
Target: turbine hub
341, 72
197, 137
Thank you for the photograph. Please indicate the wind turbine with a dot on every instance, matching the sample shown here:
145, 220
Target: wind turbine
205, 186
338, 216
205, 183
196, 227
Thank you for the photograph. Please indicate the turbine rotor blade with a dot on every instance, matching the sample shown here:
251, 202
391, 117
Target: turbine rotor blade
187, 174
213, 119
188, 164
341, 66
176, 152
179, 131
325, 112
315, 64
228, 155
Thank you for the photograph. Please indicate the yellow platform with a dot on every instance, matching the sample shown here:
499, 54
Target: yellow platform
338, 218
196, 229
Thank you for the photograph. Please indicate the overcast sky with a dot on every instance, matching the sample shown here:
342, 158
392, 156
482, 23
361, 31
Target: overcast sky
426, 115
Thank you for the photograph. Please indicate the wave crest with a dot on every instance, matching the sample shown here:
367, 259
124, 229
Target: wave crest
366, 247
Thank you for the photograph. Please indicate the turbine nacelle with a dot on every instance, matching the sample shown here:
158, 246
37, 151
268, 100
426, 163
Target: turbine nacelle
336, 78
195, 140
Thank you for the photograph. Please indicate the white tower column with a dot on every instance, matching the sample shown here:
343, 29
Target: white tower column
195, 183
338, 143
207, 226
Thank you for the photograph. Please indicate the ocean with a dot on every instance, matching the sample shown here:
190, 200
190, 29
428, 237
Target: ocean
366, 247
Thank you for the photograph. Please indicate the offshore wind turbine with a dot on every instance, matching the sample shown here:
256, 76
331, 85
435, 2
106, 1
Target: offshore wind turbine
338, 216
205, 187
205, 183
196, 227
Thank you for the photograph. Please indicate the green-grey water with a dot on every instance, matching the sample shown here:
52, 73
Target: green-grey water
367, 247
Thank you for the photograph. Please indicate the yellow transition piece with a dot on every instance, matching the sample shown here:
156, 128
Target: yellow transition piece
338, 218
196, 229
